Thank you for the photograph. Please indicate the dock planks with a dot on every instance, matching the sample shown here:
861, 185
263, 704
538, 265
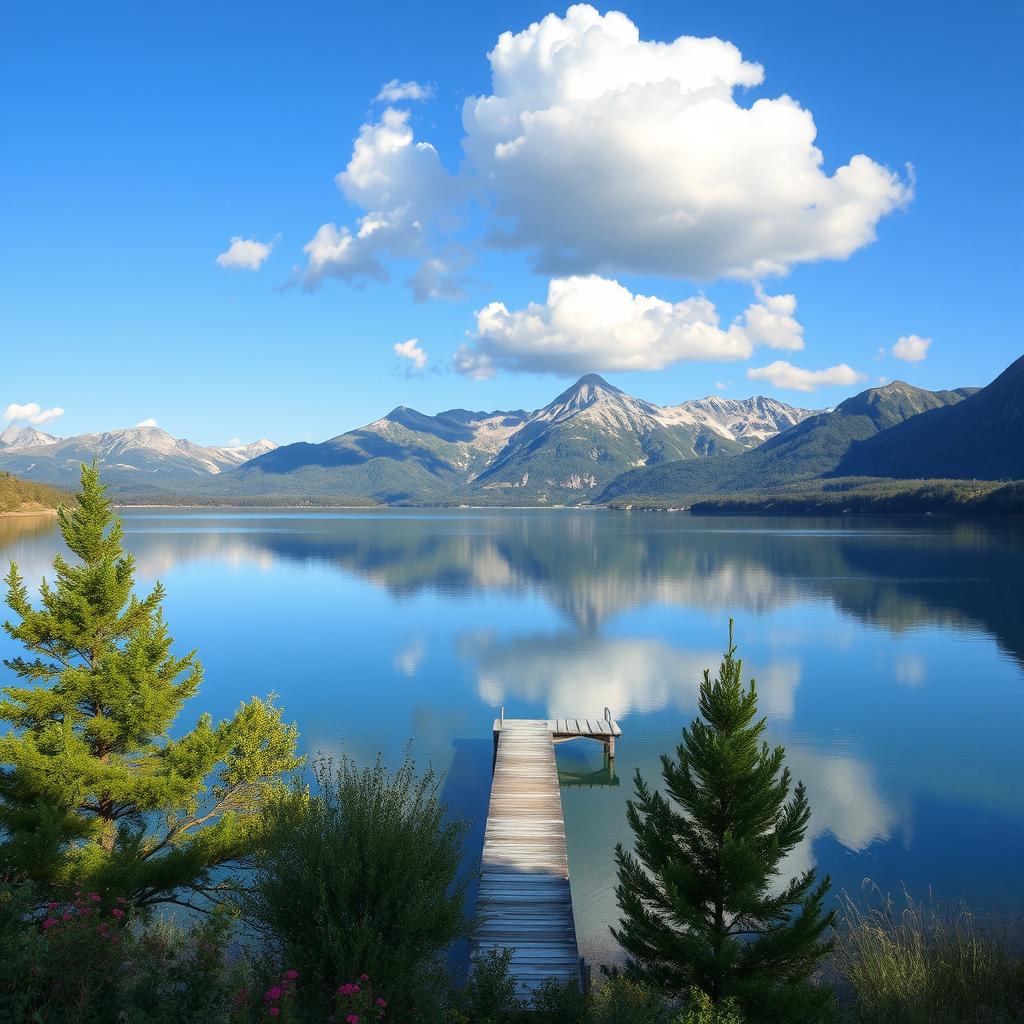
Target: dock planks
524, 901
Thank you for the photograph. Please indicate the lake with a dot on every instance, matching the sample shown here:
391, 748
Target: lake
889, 655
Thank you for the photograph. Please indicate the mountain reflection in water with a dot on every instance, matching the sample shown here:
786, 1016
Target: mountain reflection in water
888, 654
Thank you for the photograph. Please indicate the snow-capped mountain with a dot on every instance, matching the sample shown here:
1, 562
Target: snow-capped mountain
24, 437
136, 460
564, 452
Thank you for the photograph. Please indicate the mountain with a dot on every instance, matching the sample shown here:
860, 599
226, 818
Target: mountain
563, 453
23, 437
813, 448
137, 461
751, 421
981, 438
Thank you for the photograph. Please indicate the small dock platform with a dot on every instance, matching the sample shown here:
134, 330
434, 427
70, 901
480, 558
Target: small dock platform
524, 901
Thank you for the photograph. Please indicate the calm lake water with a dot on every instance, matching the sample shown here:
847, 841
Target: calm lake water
889, 655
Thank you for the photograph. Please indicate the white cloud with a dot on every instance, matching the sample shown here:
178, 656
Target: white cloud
32, 412
147, 423
244, 254
793, 378
911, 349
404, 188
595, 323
395, 91
607, 152
412, 354
434, 279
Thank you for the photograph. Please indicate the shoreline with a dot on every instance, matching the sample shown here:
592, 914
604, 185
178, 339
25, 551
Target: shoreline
18, 513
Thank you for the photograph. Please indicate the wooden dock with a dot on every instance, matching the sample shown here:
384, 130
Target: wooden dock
524, 901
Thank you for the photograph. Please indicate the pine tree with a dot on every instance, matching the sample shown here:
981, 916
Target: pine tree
702, 898
94, 792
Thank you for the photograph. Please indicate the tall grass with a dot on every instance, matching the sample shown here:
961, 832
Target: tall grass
908, 963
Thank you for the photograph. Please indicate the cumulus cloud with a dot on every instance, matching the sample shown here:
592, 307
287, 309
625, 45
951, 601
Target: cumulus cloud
412, 355
147, 423
911, 349
32, 412
608, 152
402, 185
396, 91
244, 254
793, 378
595, 323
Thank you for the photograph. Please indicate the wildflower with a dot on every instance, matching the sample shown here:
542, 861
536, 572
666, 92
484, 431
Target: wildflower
52, 905
348, 989
121, 900
380, 1002
49, 923
364, 977
117, 912
353, 1018
273, 994
274, 1011
291, 975
95, 897
65, 917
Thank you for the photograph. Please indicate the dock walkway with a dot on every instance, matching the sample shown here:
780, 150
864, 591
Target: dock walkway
524, 901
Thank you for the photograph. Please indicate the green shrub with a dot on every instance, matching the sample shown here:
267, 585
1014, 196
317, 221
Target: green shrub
489, 995
361, 878
558, 1002
621, 1000
700, 1010
86, 962
920, 965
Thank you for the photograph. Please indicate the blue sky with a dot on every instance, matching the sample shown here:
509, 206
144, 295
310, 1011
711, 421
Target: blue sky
140, 139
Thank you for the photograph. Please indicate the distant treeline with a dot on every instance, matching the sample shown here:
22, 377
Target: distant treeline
945, 497
235, 501
18, 495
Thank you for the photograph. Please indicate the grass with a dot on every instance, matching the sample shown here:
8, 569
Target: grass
915, 964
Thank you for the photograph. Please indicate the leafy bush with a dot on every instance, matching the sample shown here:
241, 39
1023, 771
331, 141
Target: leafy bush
362, 877
83, 962
558, 1002
489, 995
928, 966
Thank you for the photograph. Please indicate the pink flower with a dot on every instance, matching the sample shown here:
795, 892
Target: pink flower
273, 994
118, 913
274, 1011
364, 977
52, 905
95, 897
65, 917
49, 923
380, 1002
353, 1018
348, 989
292, 974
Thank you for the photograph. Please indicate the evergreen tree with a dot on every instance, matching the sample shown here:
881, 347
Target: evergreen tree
702, 899
94, 792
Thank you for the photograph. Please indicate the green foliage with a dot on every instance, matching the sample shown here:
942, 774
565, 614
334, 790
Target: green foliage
624, 1000
17, 494
489, 995
362, 877
859, 495
701, 899
701, 1010
94, 795
84, 964
919, 965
